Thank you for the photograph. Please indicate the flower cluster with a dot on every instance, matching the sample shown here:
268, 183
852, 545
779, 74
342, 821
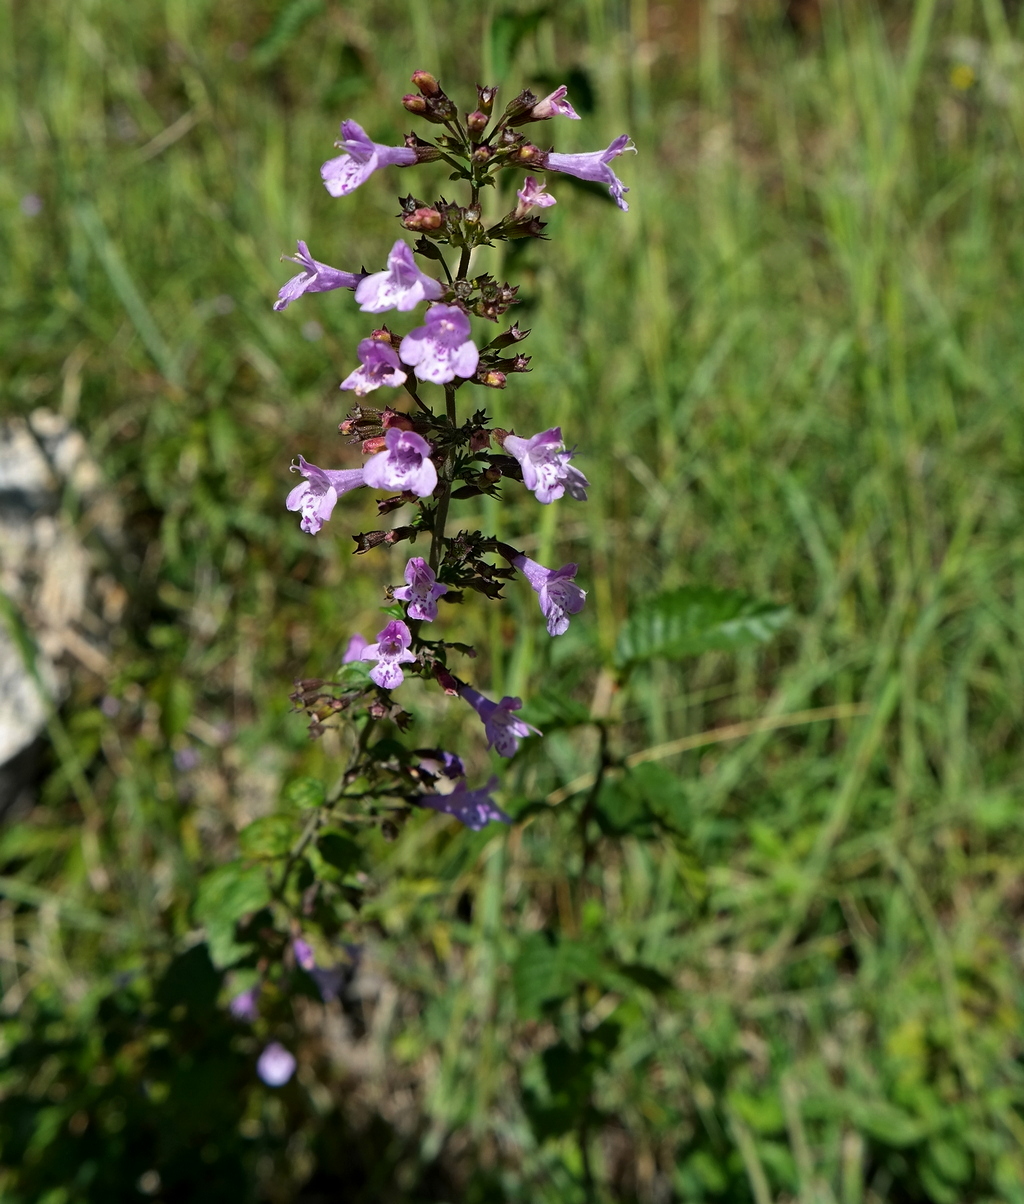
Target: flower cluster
418, 455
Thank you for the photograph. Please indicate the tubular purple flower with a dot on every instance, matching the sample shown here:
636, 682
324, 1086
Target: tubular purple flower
474, 808
315, 277
379, 366
442, 349
355, 648
421, 590
546, 467
554, 105
402, 286
362, 157
557, 592
532, 195
390, 652
303, 953
442, 763
318, 493
276, 1065
503, 729
593, 165
404, 465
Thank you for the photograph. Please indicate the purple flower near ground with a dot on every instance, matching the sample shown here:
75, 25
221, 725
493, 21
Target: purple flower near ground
318, 493
558, 593
390, 652
276, 1065
303, 953
244, 1005
442, 349
421, 590
362, 157
546, 467
315, 277
503, 729
532, 195
354, 649
594, 165
402, 286
474, 808
405, 464
554, 105
379, 366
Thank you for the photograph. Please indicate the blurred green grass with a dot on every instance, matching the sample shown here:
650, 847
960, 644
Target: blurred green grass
793, 368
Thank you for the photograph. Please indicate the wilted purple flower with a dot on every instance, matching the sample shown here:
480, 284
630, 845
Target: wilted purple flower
315, 277
532, 195
559, 594
276, 1065
554, 105
318, 493
244, 1005
403, 286
503, 729
361, 159
379, 367
474, 808
442, 349
354, 649
593, 165
546, 467
404, 465
421, 590
390, 652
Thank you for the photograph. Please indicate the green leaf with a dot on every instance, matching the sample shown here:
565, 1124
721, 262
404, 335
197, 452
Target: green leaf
337, 850
547, 970
271, 836
230, 892
305, 793
696, 619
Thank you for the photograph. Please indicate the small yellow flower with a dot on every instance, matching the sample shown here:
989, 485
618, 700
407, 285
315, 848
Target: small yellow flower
962, 77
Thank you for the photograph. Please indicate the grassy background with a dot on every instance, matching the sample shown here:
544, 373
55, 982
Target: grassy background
792, 368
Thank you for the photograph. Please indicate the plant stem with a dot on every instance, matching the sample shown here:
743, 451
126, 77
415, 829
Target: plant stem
447, 468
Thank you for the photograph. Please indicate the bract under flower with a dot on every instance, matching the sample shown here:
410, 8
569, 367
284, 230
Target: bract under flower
317, 495
594, 165
405, 464
441, 350
315, 277
421, 590
402, 286
546, 467
379, 366
362, 157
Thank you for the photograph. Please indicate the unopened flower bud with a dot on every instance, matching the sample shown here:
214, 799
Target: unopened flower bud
415, 104
477, 121
479, 440
492, 379
490, 476
445, 680
376, 444
426, 218
486, 97
482, 154
390, 418
346, 427
426, 83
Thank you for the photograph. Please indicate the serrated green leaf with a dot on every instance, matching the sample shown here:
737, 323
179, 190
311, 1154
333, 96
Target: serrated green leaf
696, 619
546, 971
305, 793
271, 836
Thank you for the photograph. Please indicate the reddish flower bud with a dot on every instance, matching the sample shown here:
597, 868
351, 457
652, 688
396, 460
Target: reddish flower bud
414, 104
390, 418
422, 219
479, 440
376, 444
492, 379
426, 83
482, 154
477, 121
445, 680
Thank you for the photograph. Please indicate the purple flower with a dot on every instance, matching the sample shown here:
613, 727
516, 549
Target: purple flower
404, 465
593, 165
559, 594
554, 105
379, 367
355, 648
318, 493
315, 277
442, 349
303, 953
276, 1065
361, 159
421, 590
532, 195
440, 763
390, 652
546, 468
244, 1005
403, 286
474, 808
329, 980
503, 729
